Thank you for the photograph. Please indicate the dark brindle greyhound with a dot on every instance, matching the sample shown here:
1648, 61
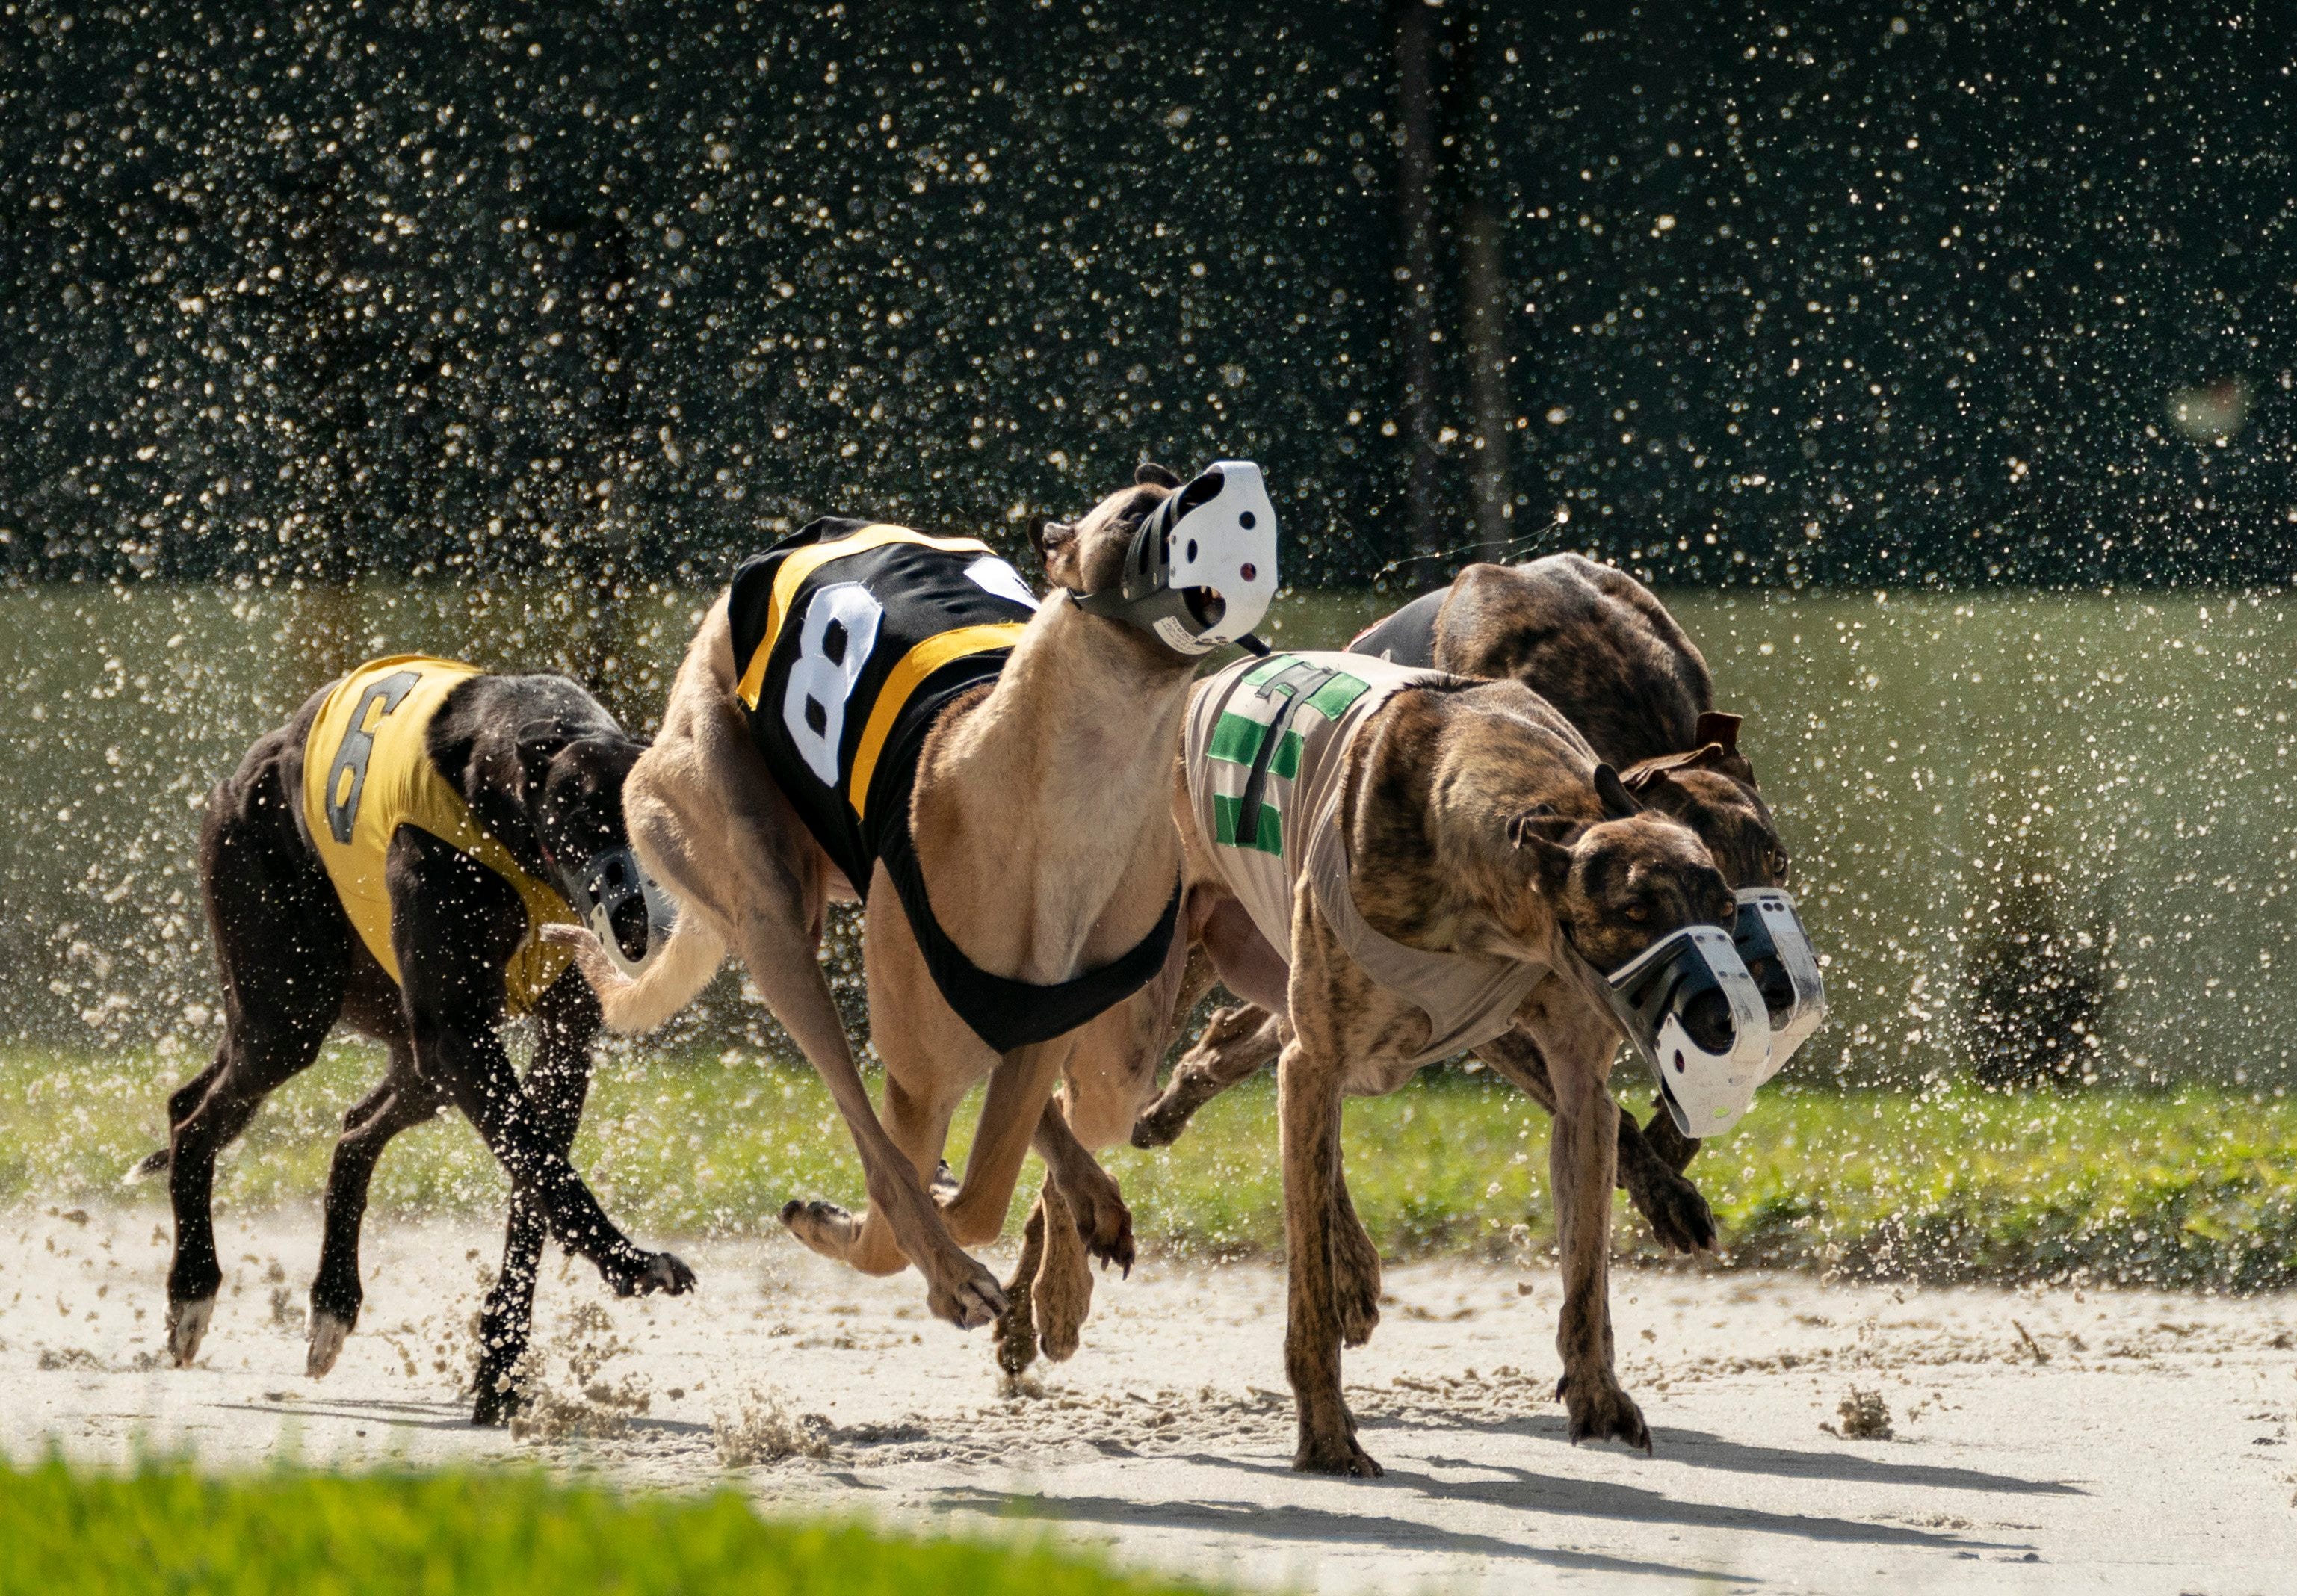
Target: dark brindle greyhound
524, 773
1601, 649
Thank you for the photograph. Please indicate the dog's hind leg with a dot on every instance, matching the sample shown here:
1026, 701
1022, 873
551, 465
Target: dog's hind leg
1236, 1041
558, 1084
404, 1099
283, 950
1062, 1287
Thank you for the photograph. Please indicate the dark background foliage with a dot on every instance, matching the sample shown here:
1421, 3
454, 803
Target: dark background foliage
1832, 294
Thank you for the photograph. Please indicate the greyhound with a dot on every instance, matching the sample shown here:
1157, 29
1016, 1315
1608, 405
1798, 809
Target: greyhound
1035, 811
1599, 647
381, 860
1448, 859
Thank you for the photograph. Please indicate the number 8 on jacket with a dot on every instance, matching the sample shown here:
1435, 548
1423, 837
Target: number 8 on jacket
852, 636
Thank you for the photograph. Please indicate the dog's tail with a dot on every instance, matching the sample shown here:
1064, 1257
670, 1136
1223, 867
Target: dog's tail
632, 1006
145, 1167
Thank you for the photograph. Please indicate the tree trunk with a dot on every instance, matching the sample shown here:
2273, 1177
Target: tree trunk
1415, 124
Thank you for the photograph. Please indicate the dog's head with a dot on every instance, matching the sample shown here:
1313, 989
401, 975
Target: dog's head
1087, 555
1711, 789
1619, 883
577, 798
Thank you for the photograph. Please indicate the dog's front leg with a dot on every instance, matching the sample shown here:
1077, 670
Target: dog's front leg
1308, 1115
1679, 1215
403, 1099
451, 986
1020, 1091
558, 1083
1581, 1155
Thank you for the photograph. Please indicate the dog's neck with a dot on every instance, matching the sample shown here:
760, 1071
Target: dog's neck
1056, 780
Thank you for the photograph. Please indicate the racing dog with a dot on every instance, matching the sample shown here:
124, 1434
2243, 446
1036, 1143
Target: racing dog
1431, 862
870, 711
384, 860
1602, 650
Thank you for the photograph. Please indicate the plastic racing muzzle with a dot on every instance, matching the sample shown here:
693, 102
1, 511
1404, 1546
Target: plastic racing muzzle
1691, 1008
1201, 569
599, 891
1768, 928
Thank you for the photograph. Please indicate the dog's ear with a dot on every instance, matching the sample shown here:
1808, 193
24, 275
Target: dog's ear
1715, 726
1645, 776
1722, 731
1541, 835
1618, 804
1149, 474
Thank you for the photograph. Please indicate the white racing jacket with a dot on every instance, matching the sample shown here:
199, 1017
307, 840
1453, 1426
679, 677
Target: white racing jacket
1267, 761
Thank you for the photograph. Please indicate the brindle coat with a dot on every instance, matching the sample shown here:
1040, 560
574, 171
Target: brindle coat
1600, 648
1479, 820
541, 765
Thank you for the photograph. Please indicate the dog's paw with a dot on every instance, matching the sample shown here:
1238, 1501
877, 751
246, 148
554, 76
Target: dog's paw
1678, 1213
1356, 1284
497, 1401
965, 1293
824, 1227
1334, 1452
946, 1184
1161, 1122
1105, 1226
663, 1272
188, 1327
1601, 1411
329, 1331
1062, 1292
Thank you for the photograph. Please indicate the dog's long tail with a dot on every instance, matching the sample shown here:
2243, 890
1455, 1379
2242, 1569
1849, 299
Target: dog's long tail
632, 1006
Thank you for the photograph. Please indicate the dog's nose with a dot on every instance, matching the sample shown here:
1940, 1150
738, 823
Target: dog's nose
1707, 1020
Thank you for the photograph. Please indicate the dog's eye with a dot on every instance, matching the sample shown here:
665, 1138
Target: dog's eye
1639, 912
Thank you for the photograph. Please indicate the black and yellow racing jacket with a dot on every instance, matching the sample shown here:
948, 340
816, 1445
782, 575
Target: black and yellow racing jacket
852, 637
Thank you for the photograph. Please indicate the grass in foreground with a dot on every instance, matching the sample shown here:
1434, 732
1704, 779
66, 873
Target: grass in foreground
168, 1530
2194, 1188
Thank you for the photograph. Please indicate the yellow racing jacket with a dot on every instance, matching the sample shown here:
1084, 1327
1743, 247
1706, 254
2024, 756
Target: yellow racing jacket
367, 771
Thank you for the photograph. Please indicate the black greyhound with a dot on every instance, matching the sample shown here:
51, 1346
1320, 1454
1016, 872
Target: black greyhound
539, 765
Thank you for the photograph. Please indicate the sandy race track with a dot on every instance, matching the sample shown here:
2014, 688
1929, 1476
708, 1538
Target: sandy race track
2043, 1440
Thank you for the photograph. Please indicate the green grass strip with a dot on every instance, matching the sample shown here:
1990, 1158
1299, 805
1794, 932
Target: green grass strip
491, 1535
2193, 1187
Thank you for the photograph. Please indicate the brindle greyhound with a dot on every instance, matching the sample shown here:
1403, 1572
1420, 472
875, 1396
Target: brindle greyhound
542, 766
1479, 823
1598, 645
1038, 815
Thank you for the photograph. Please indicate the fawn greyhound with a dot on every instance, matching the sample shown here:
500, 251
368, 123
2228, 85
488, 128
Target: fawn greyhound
1001, 769
384, 859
